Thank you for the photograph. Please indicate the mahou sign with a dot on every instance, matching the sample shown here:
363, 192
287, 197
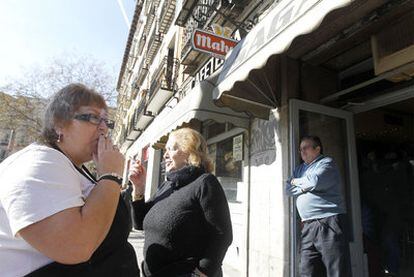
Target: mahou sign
212, 44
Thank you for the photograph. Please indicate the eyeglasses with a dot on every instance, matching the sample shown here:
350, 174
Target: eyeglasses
94, 119
304, 148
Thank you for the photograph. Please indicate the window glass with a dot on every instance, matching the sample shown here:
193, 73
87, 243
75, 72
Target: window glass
227, 168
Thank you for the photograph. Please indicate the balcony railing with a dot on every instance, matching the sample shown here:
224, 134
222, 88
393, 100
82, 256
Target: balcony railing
141, 43
164, 76
4, 140
166, 16
163, 84
148, 24
197, 18
142, 73
151, 5
154, 44
140, 111
143, 117
132, 132
134, 93
199, 9
186, 38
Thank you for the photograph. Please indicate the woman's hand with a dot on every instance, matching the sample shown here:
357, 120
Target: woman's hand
137, 176
108, 159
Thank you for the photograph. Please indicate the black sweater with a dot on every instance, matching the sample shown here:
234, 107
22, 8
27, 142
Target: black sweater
187, 224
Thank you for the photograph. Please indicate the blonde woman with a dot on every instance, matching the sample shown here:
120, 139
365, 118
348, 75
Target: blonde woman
187, 222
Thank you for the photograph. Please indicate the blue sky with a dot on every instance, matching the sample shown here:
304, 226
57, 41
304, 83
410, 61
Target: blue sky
34, 31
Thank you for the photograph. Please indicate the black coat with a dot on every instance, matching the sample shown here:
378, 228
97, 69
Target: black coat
187, 224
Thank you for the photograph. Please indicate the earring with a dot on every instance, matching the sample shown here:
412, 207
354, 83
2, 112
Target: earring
59, 139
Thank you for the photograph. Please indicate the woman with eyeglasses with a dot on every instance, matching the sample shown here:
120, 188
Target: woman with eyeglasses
187, 221
56, 218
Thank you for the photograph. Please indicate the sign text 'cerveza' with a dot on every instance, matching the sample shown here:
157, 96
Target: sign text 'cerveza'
212, 44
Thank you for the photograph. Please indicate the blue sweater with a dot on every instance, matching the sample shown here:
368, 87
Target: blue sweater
318, 188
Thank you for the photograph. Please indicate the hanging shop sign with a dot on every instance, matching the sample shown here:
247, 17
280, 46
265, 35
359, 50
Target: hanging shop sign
213, 44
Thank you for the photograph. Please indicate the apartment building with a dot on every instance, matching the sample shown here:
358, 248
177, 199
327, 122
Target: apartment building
339, 69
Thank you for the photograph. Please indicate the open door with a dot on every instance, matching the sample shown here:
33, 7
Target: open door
336, 130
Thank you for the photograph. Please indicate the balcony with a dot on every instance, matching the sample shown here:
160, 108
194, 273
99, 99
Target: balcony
163, 85
141, 43
151, 5
188, 54
197, 17
134, 92
148, 24
166, 16
154, 44
4, 141
132, 132
143, 117
124, 141
142, 73
150, 10
185, 12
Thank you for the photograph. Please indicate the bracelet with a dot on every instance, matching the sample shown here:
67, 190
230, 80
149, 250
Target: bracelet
137, 197
111, 176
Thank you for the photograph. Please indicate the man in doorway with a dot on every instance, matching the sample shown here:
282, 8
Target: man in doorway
316, 185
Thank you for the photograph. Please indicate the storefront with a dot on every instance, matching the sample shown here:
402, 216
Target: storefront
326, 68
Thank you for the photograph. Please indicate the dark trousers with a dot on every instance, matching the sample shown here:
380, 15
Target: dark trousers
325, 248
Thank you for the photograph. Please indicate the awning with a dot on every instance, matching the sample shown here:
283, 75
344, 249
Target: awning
241, 84
197, 104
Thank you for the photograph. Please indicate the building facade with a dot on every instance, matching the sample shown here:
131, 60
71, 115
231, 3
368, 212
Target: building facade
339, 69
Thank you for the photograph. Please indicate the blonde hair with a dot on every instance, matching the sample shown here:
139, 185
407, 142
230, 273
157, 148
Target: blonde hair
192, 142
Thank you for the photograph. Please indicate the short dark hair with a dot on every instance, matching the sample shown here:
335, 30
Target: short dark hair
63, 105
316, 141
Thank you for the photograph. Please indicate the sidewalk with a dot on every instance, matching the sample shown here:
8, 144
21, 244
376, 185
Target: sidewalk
136, 238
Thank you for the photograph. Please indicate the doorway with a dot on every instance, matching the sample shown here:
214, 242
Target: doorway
335, 127
385, 150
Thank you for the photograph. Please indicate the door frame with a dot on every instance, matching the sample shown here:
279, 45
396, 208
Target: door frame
356, 247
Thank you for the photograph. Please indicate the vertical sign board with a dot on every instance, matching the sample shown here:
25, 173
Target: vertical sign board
238, 148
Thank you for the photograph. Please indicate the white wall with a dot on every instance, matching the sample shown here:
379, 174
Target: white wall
268, 205
153, 169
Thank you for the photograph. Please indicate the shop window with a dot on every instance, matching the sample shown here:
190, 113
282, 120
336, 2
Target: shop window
227, 156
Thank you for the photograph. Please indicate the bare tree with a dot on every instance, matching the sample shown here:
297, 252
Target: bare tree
24, 99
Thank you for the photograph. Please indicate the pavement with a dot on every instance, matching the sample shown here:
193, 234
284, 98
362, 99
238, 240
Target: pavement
136, 238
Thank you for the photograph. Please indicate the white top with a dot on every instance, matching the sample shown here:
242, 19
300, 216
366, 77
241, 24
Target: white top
35, 183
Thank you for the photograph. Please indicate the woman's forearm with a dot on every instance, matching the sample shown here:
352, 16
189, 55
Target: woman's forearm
71, 236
